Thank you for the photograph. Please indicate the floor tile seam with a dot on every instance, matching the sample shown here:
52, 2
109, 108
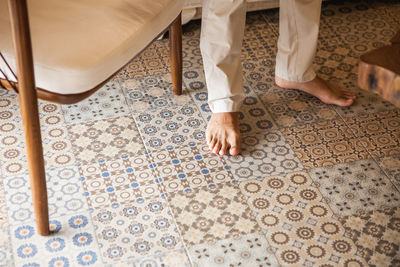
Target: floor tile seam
184, 245
375, 159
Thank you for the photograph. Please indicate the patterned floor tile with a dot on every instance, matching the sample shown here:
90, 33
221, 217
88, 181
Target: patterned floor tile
376, 235
259, 41
3, 204
246, 250
57, 148
208, 214
177, 258
5, 246
355, 24
154, 92
298, 225
391, 166
139, 229
153, 60
72, 243
171, 127
366, 102
191, 55
324, 144
252, 114
106, 102
262, 155
189, 167
351, 188
105, 139
119, 182
64, 192
287, 107
378, 132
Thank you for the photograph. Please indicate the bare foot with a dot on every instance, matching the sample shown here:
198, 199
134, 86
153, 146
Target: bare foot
223, 133
327, 93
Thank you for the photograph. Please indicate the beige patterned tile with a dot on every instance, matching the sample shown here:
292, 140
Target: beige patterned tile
208, 214
105, 139
141, 229
324, 144
57, 148
378, 132
376, 235
298, 225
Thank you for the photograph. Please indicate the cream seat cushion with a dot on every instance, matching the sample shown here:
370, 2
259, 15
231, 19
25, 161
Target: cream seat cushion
77, 44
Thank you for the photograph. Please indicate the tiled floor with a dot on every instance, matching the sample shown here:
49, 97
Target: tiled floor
131, 181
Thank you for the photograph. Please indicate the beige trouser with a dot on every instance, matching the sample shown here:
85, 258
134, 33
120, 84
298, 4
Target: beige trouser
221, 38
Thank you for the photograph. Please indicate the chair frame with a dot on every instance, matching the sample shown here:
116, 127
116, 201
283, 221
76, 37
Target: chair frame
28, 94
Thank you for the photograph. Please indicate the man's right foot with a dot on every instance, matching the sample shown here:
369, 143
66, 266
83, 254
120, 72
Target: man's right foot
223, 133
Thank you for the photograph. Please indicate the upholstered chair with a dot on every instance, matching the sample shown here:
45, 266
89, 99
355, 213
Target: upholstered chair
65, 50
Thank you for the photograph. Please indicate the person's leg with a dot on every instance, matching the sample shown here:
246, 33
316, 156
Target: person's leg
221, 38
297, 45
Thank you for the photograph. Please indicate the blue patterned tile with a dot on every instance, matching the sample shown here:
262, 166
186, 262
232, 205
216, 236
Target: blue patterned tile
72, 243
188, 167
64, 191
171, 127
119, 182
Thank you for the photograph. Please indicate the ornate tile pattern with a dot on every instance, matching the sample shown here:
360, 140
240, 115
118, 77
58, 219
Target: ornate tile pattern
391, 166
3, 206
208, 214
106, 102
139, 229
73, 243
263, 155
153, 92
246, 250
57, 148
153, 61
171, 127
177, 258
189, 167
376, 235
6, 258
378, 132
287, 107
252, 114
119, 182
324, 144
64, 192
105, 139
298, 225
135, 185
351, 188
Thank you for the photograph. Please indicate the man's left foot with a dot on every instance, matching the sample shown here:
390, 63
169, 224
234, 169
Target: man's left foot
326, 92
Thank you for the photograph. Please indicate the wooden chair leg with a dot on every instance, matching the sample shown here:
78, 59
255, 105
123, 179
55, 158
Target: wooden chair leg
175, 39
29, 110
